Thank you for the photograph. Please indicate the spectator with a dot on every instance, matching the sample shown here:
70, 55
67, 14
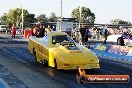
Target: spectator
105, 32
73, 35
13, 31
87, 35
97, 33
48, 29
53, 28
35, 31
6, 29
76, 35
82, 32
80, 39
41, 32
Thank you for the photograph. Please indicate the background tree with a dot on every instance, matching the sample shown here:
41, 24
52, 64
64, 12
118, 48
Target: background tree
30, 18
86, 15
42, 18
14, 16
53, 17
3, 18
119, 21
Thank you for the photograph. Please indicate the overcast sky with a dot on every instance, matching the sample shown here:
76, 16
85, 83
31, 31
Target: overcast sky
104, 10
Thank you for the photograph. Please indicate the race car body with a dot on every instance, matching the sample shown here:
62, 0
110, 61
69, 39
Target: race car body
61, 52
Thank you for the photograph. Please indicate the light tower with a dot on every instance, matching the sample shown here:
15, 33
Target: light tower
22, 18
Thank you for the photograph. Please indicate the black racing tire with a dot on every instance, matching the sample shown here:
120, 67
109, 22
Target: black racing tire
55, 63
34, 53
45, 63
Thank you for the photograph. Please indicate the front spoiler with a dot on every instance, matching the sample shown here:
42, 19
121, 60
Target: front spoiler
83, 66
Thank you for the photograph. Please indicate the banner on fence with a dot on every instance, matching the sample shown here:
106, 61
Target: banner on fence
115, 49
121, 50
102, 47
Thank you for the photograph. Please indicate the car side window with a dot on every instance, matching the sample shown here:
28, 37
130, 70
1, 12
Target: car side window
46, 39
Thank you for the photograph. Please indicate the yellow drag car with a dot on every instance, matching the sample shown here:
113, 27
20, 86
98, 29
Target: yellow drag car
62, 52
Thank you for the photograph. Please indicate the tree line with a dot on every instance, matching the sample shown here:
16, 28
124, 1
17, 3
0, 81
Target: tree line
14, 16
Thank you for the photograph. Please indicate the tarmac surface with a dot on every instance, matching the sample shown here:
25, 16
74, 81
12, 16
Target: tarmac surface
19, 70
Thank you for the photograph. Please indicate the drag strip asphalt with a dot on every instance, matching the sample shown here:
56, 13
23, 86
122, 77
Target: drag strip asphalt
19, 62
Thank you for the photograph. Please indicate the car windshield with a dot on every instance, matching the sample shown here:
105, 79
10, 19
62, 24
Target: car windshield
72, 47
60, 39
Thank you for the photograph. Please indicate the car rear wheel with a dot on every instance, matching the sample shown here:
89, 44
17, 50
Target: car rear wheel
34, 53
45, 62
55, 64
